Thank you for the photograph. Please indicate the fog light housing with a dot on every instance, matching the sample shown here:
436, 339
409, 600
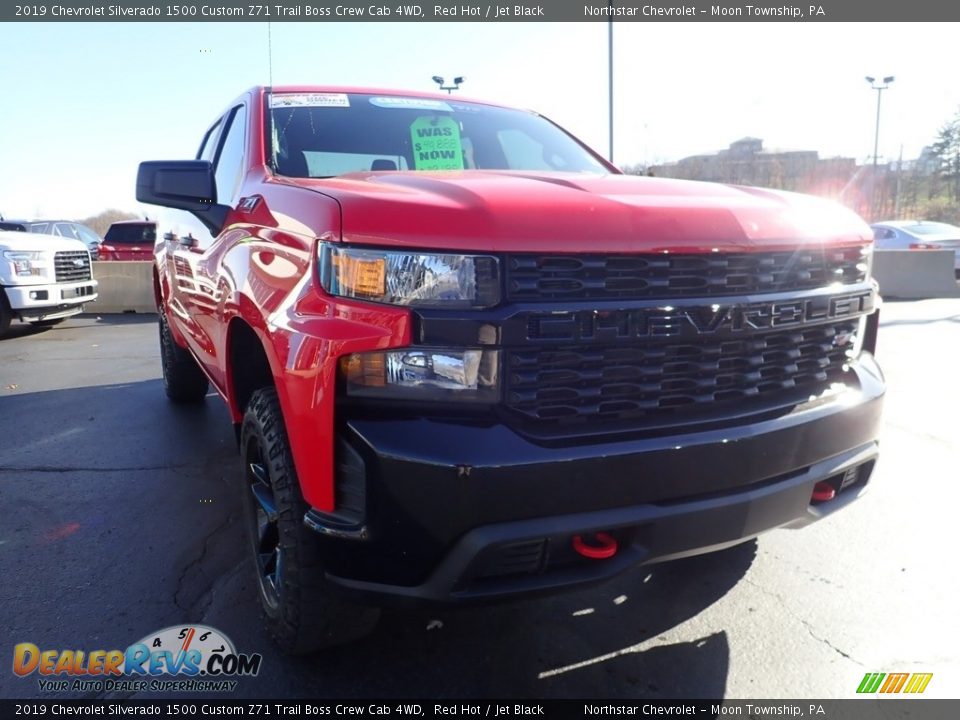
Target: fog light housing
424, 374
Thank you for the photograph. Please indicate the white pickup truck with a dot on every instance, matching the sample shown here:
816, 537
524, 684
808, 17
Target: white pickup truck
43, 279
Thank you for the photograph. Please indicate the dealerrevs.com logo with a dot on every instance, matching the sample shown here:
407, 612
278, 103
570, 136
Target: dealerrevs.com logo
177, 658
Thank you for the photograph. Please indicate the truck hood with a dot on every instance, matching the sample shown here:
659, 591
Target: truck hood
13, 240
499, 211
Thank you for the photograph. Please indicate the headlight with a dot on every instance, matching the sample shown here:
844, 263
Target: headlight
856, 342
866, 260
26, 263
421, 373
417, 279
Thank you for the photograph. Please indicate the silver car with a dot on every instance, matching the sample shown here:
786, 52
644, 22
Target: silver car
918, 235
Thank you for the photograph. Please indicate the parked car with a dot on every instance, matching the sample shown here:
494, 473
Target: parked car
44, 279
918, 235
468, 359
58, 228
129, 240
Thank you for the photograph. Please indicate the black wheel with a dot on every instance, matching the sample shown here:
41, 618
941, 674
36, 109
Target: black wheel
47, 323
301, 614
182, 379
5, 315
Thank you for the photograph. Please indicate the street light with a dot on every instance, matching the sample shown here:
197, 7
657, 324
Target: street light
449, 88
610, 79
879, 87
884, 84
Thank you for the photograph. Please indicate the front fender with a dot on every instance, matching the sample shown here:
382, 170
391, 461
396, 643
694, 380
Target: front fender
303, 342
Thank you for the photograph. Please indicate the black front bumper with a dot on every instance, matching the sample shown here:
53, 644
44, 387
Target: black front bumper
461, 510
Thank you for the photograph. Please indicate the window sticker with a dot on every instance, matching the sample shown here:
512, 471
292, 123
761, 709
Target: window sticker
461, 108
309, 100
410, 103
436, 143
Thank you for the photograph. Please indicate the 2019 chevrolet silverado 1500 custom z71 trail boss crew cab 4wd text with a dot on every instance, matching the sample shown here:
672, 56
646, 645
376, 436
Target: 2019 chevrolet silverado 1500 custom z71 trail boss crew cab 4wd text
468, 359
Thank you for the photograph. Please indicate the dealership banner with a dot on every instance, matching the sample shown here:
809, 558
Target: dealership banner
476, 11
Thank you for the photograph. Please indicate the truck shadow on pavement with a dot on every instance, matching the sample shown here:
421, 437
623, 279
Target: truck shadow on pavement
130, 505
21, 329
606, 642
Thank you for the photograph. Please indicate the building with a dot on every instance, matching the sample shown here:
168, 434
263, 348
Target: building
745, 162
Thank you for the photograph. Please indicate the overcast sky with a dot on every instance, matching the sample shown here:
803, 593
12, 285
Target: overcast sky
84, 103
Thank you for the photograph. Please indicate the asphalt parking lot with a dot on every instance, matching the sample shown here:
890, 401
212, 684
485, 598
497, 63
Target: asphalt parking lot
119, 517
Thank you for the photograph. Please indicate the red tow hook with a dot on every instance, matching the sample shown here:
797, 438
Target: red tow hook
602, 546
823, 491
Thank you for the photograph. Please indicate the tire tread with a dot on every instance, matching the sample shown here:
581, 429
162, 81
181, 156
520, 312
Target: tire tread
309, 618
183, 380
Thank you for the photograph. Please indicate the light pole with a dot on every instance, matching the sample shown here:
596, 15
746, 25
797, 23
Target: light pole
449, 88
879, 87
610, 77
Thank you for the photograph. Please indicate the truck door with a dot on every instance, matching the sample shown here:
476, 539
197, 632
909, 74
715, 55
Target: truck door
197, 285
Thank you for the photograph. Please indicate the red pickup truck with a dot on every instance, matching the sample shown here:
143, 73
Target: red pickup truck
468, 359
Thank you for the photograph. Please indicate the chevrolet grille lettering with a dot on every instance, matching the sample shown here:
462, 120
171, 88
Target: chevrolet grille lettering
611, 325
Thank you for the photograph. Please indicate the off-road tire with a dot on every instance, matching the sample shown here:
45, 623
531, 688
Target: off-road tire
183, 380
301, 613
5, 313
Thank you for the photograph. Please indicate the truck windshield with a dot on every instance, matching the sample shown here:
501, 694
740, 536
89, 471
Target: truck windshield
330, 134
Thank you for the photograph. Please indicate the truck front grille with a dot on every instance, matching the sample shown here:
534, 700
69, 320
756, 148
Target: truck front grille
533, 278
72, 265
663, 382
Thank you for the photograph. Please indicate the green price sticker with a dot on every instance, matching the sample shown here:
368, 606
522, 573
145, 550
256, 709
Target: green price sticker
436, 143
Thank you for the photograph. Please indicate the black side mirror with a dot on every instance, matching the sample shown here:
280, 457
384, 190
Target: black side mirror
183, 185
